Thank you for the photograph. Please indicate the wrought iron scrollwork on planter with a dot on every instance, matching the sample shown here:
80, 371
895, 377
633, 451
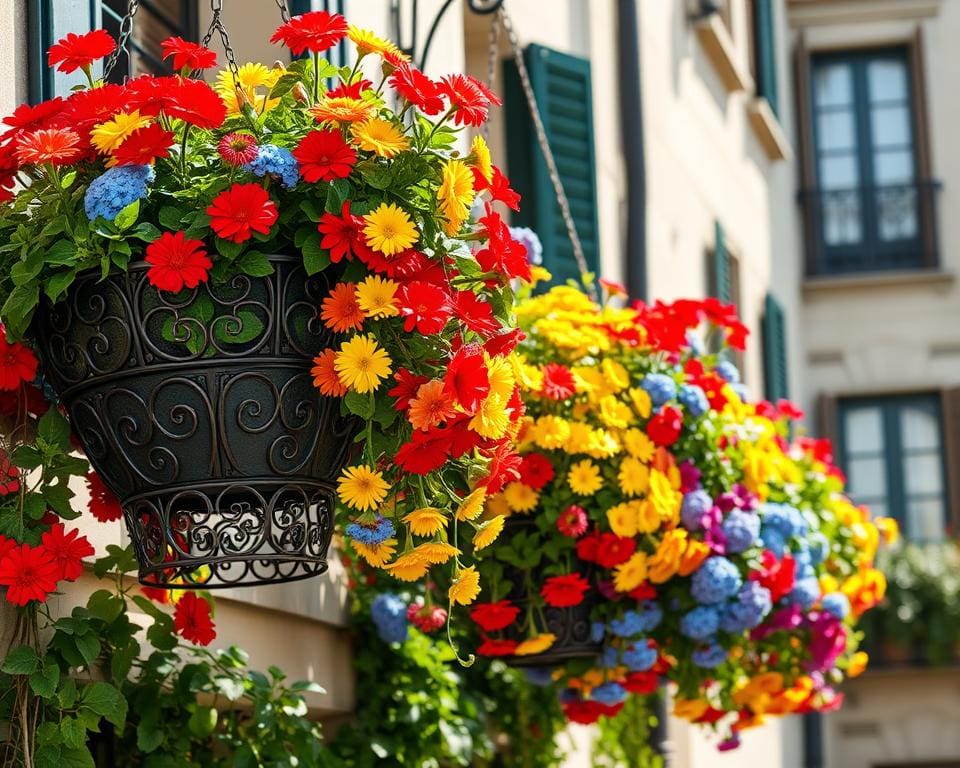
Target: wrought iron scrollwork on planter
199, 412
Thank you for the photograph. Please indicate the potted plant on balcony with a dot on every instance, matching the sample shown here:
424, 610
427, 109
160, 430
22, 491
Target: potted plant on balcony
238, 289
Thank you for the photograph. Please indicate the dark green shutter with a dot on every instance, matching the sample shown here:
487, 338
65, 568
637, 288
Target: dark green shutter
720, 271
50, 20
774, 331
764, 37
561, 83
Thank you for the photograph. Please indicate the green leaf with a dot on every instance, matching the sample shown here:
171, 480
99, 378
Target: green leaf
22, 660
122, 659
73, 733
127, 217
55, 429
106, 701
63, 253
89, 648
68, 178
68, 693
145, 231
59, 498
315, 259
170, 218
202, 721
26, 457
229, 249
44, 681
284, 85
19, 306
376, 175
242, 329
362, 405
78, 757
255, 264
149, 732
105, 605
56, 285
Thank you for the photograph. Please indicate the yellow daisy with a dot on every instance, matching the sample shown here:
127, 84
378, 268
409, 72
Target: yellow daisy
614, 413
436, 552
492, 417
362, 488
500, 373
426, 521
584, 478
480, 158
367, 41
615, 374
633, 476
641, 401
520, 497
249, 77
410, 566
342, 109
487, 533
376, 297
552, 432
465, 587
664, 498
472, 505
538, 644
376, 555
361, 364
631, 574
381, 137
638, 444
497, 505
648, 518
455, 194
389, 229
623, 519
107, 136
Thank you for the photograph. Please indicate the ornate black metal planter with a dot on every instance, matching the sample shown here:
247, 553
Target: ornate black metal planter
199, 412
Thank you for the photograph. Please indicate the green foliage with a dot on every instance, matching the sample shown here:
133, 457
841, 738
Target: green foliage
624, 740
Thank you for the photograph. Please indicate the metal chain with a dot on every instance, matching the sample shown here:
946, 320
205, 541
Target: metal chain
284, 11
493, 51
541, 132
216, 25
126, 29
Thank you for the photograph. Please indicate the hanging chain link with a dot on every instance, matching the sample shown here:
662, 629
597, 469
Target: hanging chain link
284, 10
126, 30
548, 157
216, 25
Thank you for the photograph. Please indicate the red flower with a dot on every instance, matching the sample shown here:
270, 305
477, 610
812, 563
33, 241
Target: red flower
176, 262
9, 476
84, 109
31, 118
56, 146
103, 504
28, 573
417, 88
493, 616
80, 51
343, 235
665, 427
426, 619
191, 619
505, 343
493, 647
646, 591
423, 306
192, 101
6, 546
144, 146
558, 382
406, 388
469, 99
564, 591
467, 378
572, 521
642, 683
237, 148
156, 594
504, 468
188, 55
351, 91
587, 712
613, 550
427, 451
17, 364
324, 155
503, 254
475, 313
776, 575
536, 470
238, 212
315, 31
67, 550
498, 187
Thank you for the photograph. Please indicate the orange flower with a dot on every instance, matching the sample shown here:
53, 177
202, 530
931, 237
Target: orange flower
431, 406
56, 145
325, 375
865, 589
341, 312
342, 109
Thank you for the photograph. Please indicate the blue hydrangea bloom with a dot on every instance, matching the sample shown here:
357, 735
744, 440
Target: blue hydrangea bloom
632, 623
640, 658
728, 372
741, 529
272, 160
695, 505
702, 622
805, 592
539, 676
819, 547
715, 581
710, 656
377, 534
748, 610
789, 521
774, 541
597, 631
115, 189
609, 694
836, 603
694, 400
660, 387
389, 614
530, 240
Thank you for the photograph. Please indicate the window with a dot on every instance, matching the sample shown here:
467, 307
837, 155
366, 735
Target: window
155, 22
723, 282
763, 57
892, 451
776, 379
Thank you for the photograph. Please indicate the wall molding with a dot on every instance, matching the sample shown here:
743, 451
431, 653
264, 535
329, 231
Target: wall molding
810, 13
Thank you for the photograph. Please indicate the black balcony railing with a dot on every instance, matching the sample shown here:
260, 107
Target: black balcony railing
872, 228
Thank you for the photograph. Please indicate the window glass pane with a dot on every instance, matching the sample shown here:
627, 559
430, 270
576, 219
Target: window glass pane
896, 212
835, 130
841, 217
894, 167
920, 427
887, 80
890, 126
878, 509
922, 474
867, 477
925, 519
863, 430
833, 84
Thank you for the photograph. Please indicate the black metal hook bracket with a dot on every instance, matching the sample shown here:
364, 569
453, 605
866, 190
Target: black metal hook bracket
409, 44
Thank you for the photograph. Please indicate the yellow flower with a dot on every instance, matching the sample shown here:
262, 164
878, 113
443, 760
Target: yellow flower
361, 364
638, 444
631, 574
858, 663
376, 297
436, 552
497, 505
648, 519
542, 642
539, 274
455, 194
362, 488
465, 587
693, 556
480, 158
492, 417
551, 432
664, 498
472, 505
889, 529
376, 555
367, 41
426, 521
501, 377
249, 77
520, 496
666, 560
689, 709
579, 437
488, 532
641, 401
613, 413
634, 476
828, 584
623, 519
389, 229
615, 374
342, 109
410, 566
107, 136
584, 478
380, 137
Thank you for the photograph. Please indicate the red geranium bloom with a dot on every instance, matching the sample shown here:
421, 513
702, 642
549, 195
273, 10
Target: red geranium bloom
493, 616
417, 88
558, 382
57, 146
646, 591
17, 364
423, 306
536, 470
75, 51
493, 647
9, 475
504, 468
191, 619
587, 712
665, 427
67, 550
406, 388
9, 165
144, 146
238, 212
156, 594
315, 31
572, 521
503, 254
613, 550
31, 118
192, 101
498, 187
427, 451
188, 55
84, 109
343, 235
176, 262
351, 91
467, 378
776, 575
564, 591
505, 343
469, 99
103, 504
6, 546
324, 155
28, 573
475, 313
237, 148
